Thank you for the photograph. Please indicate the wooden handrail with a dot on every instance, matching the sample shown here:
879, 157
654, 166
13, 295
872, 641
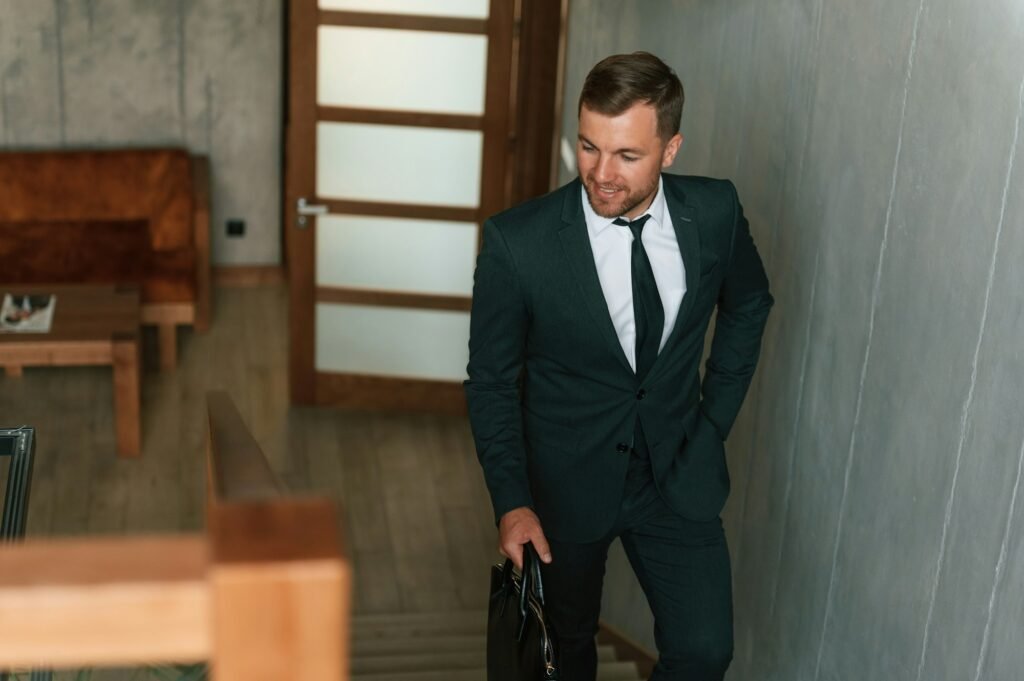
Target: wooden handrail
278, 574
237, 467
104, 601
263, 594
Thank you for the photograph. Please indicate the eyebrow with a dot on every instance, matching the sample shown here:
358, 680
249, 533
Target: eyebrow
627, 150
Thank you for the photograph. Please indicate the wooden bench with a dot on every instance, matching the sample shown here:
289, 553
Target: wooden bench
139, 216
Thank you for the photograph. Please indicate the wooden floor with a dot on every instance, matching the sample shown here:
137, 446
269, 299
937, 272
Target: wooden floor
415, 510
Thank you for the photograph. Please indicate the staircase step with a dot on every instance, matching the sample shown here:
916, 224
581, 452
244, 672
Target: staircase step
426, 662
457, 623
614, 671
415, 645
436, 661
617, 671
445, 646
371, 619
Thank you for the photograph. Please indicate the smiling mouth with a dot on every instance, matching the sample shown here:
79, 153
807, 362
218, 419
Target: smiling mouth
606, 192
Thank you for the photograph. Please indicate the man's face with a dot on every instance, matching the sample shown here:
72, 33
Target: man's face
620, 159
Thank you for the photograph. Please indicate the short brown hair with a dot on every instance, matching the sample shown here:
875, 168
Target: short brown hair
618, 82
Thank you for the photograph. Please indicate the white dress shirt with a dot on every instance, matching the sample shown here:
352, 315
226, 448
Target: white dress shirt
612, 246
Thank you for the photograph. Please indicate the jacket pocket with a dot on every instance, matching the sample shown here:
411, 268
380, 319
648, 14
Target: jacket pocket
689, 421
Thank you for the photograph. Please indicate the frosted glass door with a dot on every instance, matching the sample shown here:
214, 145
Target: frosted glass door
399, 150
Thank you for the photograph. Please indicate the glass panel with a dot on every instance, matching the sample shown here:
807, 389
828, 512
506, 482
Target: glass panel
474, 9
373, 68
391, 341
395, 254
398, 164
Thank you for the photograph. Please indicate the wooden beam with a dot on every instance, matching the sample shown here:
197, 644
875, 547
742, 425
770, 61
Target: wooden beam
339, 114
400, 210
104, 601
405, 22
378, 297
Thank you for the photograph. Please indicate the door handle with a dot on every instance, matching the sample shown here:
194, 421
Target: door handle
303, 208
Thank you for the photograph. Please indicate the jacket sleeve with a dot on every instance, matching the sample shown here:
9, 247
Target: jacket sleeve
743, 305
497, 347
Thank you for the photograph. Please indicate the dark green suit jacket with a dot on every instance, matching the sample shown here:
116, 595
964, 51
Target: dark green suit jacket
552, 398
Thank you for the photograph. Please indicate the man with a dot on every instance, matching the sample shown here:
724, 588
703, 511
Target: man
590, 309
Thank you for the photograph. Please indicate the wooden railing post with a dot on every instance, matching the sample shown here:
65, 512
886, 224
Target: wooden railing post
279, 592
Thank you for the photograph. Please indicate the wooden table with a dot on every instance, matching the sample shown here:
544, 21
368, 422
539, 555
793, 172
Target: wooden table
92, 325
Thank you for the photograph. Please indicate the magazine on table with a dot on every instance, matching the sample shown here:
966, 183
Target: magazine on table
27, 313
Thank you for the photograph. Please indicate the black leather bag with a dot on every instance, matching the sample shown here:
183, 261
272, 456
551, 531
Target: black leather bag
520, 642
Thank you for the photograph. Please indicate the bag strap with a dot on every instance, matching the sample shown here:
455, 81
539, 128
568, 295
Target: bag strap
531, 566
530, 585
525, 579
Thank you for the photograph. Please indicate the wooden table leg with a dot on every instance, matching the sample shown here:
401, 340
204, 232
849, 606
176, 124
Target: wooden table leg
127, 397
13, 370
168, 337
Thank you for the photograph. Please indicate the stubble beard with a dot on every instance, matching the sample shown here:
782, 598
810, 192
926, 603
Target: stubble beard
626, 205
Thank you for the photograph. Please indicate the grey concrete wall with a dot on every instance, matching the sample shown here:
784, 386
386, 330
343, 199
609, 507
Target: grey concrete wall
200, 74
876, 524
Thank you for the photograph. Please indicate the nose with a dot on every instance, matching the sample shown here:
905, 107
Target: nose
603, 170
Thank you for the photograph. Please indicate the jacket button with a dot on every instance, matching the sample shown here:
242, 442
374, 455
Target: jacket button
641, 394
622, 448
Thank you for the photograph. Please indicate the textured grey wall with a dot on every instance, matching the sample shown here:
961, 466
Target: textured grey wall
203, 74
875, 522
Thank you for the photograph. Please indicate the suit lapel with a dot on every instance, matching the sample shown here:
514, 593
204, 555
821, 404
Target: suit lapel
576, 243
685, 216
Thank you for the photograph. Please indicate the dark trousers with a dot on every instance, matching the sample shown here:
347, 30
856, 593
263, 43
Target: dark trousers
683, 568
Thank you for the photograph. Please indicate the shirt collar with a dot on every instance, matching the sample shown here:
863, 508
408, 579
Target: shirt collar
658, 210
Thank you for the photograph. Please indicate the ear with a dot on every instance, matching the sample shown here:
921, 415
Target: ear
669, 155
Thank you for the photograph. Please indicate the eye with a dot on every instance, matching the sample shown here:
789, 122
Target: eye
587, 147
629, 159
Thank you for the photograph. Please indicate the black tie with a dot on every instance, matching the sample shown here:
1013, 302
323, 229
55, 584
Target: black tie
648, 314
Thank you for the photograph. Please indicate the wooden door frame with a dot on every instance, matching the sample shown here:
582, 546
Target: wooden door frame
504, 181
536, 123
300, 180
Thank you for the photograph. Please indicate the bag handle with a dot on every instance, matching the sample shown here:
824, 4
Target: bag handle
531, 566
529, 584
